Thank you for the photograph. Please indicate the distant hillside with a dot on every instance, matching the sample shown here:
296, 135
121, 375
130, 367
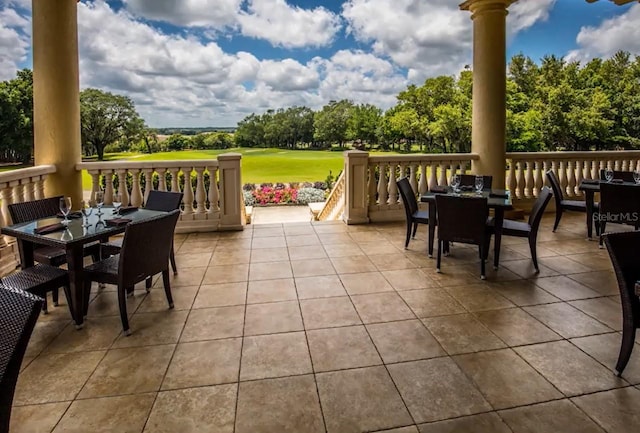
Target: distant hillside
193, 131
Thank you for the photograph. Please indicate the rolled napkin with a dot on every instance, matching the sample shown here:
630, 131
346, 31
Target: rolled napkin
498, 193
439, 189
128, 209
49, 229
617, 181
466, 188
117, 222
72, 215
591, 181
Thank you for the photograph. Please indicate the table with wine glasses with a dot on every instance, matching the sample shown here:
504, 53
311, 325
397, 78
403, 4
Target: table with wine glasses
498, 200
78, 232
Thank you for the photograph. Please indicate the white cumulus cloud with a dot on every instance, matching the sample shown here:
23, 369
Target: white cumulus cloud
216, 14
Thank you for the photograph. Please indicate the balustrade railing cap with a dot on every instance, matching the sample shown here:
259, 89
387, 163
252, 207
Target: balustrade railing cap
25, 173
229, 156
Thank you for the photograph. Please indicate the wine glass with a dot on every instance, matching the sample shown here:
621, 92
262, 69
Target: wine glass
479, 184
455, 182
117, 202
86, 210
636, 177
65, 208
608, 175
99, 201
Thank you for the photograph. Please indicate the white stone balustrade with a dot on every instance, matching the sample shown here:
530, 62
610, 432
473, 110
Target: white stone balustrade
18, 186
334, 205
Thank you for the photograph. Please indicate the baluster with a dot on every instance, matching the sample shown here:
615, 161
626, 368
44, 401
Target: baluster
443, 174
624, 165
39, 188
432, 176
372, 185
519, 180
562, 176
108, 187
538, 181
511, 177
528, 179
175, 177
200, 191
188, 192
95, 186
122, 186
571, 179
595, 167
393, 188
616, 165
162, 178
214, 194
422, 185
579, 177
28, 190
5, 216
382, 184
413, 178
148, 183
136, 190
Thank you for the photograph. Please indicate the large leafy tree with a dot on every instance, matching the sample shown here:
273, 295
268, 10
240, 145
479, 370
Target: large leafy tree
107, 118
331, 123
16, 118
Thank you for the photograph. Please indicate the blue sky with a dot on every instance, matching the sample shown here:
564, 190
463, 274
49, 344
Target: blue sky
212, 62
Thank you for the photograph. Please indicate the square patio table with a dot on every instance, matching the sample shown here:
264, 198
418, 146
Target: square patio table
498, 204
72, 240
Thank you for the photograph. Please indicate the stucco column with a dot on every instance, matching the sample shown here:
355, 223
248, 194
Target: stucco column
56, 95
356, 209
488, 130
229, 167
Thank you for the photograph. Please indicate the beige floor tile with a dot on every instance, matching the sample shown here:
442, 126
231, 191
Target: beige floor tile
409, 280
311, 268
568, 368
106, 304
204, 363
595, 260
286, 405
276, 355
55, 377
431, 302
153, 328
616, 411
268, 242
212, 323
352, 265
494, 373
524, 293
221, 295
340, 348
98, 333
360, 400
564, 265
337, 239
479, 297
196, 247
453, 277
436, 389
303, 240
272, 318
342, 250
322, 286
605, 349
269, 255
391, 262
36, 418
192, 260
602, 309
230, 257
297, 229
307, 252
524, 268
515, 327
270, 271
482, 423
43, 334
462, 333
404, 341
567, 320
208, 409
552, 417
129, 371
268, 230
366, 235
409, 429
156, 300
124, 414
565, 288
185, 277
381, 307
226, 274
365, 282
379, 247
328, 312
603, 282
282, 289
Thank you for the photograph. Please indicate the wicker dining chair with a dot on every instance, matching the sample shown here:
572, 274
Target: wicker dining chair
625, 176
145, 252
414, 215
565, 205
19, 312
619, 204
623, 251
464, 220
39, 280
469, 180
49, 255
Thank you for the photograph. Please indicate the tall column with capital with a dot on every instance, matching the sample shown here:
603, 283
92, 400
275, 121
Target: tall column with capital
488, 130
56, 95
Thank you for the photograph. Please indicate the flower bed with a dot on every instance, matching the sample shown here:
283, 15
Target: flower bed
268, 194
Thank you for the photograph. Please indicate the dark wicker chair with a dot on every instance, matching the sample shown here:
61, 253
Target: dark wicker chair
626, 176
413, 214
165, 201
145, 253
39, 280
464, 220
470, 180
623, 251
619, 204
46, 208
19, 312
565, 205
530, 228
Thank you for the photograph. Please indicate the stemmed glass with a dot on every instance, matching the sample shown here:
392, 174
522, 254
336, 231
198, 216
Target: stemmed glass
86, 210
455, 182
608, 175
117, 202
65, 208
636, 177
99, 201
479, 184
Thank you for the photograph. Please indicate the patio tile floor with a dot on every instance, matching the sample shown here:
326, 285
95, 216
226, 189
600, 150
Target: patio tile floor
322, 327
